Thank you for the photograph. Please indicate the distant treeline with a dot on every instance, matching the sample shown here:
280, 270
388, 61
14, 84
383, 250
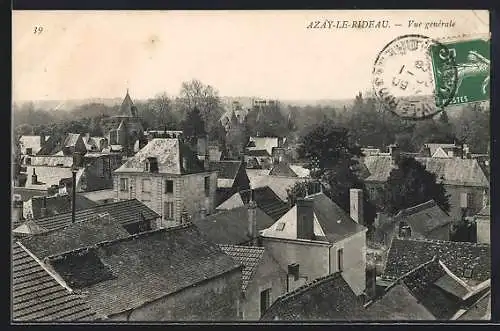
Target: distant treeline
367, 122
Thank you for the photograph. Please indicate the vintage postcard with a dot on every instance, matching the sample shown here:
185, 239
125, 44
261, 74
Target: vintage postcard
265, 166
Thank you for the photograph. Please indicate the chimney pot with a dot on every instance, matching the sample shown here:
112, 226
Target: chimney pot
305, 219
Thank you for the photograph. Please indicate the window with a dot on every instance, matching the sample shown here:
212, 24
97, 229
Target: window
168, 210
169, 186
146, 185
340, 259
29, 151
264, 301
207, 186
468, 273
124, 184
280, 226
28, 161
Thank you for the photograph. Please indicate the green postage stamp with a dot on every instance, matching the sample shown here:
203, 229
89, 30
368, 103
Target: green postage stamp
471, 61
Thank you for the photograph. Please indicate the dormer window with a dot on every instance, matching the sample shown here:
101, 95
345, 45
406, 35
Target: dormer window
151, 164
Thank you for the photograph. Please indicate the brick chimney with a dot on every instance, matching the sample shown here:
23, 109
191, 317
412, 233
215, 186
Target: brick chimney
252, 220
356, 202
395, 153
305, 218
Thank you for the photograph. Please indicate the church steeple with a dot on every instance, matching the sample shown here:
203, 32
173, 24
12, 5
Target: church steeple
128, 108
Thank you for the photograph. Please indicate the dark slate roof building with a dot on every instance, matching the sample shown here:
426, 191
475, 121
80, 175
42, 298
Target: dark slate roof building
248, 256
121, 275
125, 212
326, 299
424, 218
41, 206
226, 172
231, 226
38, 297
469, 261
429, 292
265, 198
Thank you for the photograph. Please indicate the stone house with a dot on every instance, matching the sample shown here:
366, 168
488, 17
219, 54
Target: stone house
317, 227
483, 223
262, 279
329, 298
31, 145
168, 177
463, 179
426, 220
231, 178
122, 277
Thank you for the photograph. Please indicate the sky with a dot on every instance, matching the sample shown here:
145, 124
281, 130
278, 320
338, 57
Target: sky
92, 54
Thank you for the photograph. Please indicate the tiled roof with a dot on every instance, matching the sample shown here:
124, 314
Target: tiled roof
264, 143
278, 184
453, 171
58, 204
406, 254
332, 223
257, 152
138, 275
127, 211
327, 298
266, 200
231, 226
51, 160
248, 256
37, 296
48, 176
74, 236
169, 153
127, 107
28, 227
424, 218
282, 169
429, 291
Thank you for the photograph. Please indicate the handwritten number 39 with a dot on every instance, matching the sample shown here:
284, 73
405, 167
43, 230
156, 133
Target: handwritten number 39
38, 29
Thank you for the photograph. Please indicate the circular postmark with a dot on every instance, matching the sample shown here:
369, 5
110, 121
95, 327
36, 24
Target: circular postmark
415, 76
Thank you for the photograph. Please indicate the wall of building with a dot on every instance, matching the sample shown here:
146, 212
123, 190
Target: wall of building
188, 192
268, 275
213, 300
312, 257
354, 261
442, 233
483, 230
477, 199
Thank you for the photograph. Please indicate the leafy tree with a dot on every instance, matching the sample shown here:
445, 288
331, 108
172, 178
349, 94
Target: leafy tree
193, 125
411, 184
24, 129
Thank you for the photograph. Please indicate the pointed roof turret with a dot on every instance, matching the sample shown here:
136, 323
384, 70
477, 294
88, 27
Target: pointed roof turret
128, 108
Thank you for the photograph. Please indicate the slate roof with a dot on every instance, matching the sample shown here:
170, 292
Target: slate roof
48, 176
138, 275
38, 297
51, 160
424, 218
169, 153
266, 200
282, 169
58, 204
332, 223
429, 291
226, 172
258, 153
124, 212
248, 256
327, 298
434, 146
231, 226
278, 184
406, 254
127, 107
74, 236
453, 171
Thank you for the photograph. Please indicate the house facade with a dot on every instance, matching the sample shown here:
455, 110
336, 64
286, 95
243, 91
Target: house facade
231, 178
317, 227
167, 176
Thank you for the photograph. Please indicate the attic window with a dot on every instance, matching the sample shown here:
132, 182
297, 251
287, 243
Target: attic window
280, 226
468, 273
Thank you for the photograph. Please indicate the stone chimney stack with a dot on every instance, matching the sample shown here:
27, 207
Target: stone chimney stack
43, 209
305, 218
17, 209
34, 178
356, 202
395, 153
42, 139
252, 219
